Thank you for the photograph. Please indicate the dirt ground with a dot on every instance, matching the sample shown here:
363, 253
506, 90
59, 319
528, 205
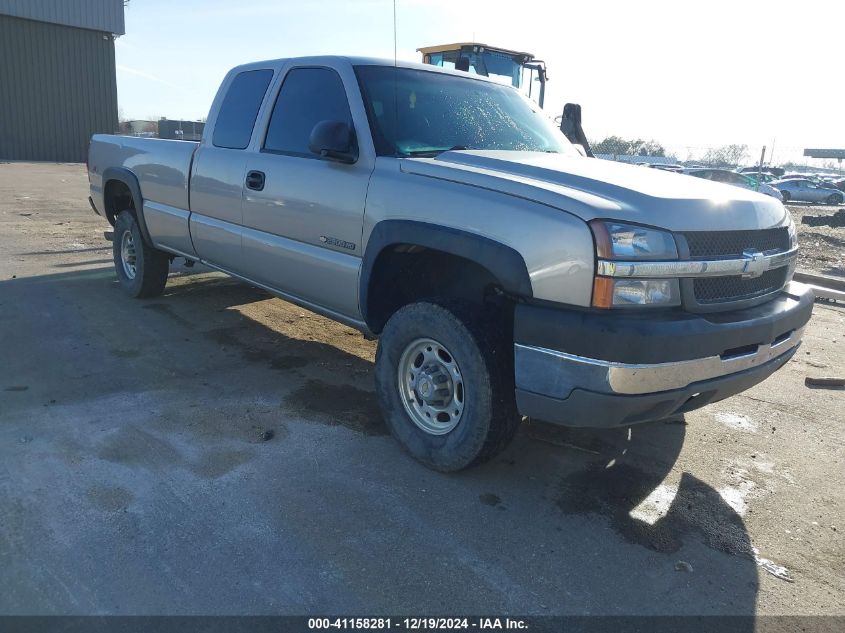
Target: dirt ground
218, 451
821, 237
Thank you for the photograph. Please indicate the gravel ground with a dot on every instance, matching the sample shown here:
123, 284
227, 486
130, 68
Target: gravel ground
218, 451
821, 237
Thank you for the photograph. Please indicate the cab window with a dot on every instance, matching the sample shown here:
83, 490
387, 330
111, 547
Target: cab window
307, 96
236, 118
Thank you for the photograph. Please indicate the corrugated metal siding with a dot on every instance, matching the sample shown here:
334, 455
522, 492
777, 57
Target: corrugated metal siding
98, 15
57, 88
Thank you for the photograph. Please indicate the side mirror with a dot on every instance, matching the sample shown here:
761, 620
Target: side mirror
570, 125
333, 140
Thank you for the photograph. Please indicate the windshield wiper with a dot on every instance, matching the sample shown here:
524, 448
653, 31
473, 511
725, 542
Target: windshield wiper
423, 153
430, 153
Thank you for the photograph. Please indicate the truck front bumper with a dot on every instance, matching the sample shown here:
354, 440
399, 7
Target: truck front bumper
589, 369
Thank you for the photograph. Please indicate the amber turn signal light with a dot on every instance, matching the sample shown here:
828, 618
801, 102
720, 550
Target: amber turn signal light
602, 292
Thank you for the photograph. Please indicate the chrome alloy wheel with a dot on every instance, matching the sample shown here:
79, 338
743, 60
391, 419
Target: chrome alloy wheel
431, 386
128, 256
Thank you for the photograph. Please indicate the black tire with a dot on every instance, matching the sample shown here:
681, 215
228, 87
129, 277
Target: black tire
834, 198
150, 264
785, 196
475, 335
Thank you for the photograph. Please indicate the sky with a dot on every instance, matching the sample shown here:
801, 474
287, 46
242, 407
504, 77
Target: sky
688, 73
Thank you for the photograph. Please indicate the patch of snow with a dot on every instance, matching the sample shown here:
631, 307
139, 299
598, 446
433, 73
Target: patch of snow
656, 505
737, 422
778, 571
764, 466
735, 496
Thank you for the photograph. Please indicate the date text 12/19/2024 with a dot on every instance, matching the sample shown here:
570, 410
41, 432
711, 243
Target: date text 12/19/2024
417, 624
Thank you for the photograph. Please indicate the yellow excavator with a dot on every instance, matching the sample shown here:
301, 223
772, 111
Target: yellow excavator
515, 68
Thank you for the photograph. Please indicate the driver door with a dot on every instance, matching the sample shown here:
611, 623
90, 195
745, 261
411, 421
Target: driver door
815, 193
803, 191
302, 214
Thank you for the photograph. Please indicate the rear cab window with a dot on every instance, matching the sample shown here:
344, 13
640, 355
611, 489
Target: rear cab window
236, 119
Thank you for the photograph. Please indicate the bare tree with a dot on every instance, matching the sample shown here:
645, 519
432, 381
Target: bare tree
725, 156
631, 147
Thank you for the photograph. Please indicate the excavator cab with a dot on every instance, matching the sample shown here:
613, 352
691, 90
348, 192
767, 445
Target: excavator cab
518, 69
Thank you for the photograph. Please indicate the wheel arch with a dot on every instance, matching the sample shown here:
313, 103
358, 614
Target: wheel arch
118, 182
481, 255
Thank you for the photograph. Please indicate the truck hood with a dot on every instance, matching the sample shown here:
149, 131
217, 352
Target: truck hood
593, 188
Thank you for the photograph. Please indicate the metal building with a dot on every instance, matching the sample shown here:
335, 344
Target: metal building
58, 84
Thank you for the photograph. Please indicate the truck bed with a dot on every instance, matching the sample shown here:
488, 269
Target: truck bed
162, 166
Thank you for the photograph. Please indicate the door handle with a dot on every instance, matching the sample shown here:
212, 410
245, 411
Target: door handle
255, 180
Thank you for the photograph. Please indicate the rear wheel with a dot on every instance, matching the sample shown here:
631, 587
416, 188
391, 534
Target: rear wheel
444, 379
141, 269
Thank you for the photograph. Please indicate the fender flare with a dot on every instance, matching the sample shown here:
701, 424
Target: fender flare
505, 263
122, 174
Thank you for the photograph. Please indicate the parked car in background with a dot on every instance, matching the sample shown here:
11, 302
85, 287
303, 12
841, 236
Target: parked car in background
830, 183
804, 190
759, 176
839, 184
797, 176
755, 169
677, 168
732, 178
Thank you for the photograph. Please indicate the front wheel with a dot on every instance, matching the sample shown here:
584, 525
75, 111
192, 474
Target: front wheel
141, 269
785, 195
834, 198
444, 379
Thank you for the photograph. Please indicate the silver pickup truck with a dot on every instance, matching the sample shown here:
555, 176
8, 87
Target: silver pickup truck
504, 273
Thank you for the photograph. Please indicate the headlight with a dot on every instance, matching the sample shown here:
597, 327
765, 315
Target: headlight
793, 234
793, 243
644, 291
631, 293
615, 240
619, 241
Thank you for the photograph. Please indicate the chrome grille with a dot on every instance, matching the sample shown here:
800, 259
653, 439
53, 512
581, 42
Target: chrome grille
721, 289
708, 244
730, 244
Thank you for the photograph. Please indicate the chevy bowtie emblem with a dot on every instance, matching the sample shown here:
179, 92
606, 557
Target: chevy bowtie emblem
755, 264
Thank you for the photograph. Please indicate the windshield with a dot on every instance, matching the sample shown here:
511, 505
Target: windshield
420, 113
500, 67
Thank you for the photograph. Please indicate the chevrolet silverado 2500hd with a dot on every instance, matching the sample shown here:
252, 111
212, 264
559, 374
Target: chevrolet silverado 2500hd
504, 273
